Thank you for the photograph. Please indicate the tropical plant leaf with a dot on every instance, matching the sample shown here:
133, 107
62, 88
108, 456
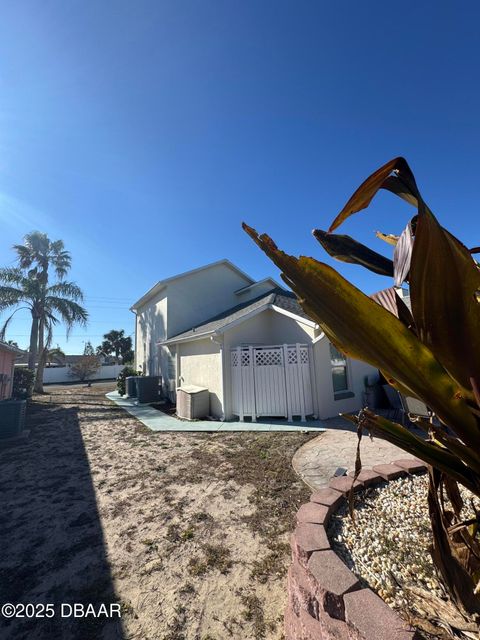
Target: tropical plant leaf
346, 249
390, 300
444, 281
362, 329
400, 189
454, 574
402, 256
434, 455
389, 238
368, 189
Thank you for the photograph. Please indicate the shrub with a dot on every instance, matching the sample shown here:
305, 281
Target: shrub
86, 367
23, 380
126, 373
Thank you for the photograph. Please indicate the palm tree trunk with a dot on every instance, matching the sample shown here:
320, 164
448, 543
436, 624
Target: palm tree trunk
32, 354
42, 356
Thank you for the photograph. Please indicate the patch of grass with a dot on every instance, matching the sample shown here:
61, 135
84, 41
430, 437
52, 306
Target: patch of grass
202, 516
187, 589
176, 629
175, 534
151, 545
187, 534
253, 613
215, 557
273, 565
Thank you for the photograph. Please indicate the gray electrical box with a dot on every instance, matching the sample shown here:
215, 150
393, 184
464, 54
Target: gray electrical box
193, 402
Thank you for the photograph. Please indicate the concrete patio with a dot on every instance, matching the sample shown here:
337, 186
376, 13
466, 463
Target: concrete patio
158, 421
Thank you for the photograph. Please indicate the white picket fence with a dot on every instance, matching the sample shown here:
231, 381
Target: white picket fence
57, 375
272, 381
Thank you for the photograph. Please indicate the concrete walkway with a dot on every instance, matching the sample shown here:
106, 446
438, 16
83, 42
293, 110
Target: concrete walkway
317, 460
158, 421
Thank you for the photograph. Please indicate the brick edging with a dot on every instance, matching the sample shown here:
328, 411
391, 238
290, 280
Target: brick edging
325, 599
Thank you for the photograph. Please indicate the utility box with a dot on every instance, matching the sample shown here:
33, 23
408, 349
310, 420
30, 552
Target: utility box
148, 389
193, 402
12, 418
131, 386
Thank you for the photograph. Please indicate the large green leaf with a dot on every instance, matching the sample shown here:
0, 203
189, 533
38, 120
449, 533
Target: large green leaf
403, 181
364, 330
347, 249
444, 281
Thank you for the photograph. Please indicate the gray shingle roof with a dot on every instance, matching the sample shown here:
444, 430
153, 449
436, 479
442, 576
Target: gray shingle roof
279, 297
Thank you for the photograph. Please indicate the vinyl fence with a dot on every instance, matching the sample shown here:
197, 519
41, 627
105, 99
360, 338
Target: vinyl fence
56, 375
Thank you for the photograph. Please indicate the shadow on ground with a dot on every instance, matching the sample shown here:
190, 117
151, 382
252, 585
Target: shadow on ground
51, 542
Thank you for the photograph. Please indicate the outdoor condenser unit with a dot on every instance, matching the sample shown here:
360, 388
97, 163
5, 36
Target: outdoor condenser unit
193, 402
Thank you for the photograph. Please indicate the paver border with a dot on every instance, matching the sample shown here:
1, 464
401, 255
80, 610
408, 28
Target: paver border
325, 599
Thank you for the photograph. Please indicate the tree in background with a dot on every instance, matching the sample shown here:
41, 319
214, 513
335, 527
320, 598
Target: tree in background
36, 255
117, 343
54, 356
88, 349
86, 367
28, 287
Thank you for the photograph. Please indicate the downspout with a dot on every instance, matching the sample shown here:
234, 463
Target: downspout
135, 359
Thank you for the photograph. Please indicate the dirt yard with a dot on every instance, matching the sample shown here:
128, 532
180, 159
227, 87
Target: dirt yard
187, 532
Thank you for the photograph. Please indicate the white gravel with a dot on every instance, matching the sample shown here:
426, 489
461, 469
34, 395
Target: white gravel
387, 546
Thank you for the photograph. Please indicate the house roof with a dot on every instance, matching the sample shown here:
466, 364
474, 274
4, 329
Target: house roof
163, 283
273, 284
10, 347
277, 298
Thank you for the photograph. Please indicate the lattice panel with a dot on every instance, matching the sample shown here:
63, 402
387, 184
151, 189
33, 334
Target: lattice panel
292, 356
304, 356
234, 359
245, 359
268, 358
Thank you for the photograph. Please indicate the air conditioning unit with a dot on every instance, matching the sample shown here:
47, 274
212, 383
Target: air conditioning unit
193, 402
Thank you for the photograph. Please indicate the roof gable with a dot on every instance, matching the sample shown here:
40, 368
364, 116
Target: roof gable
278, 299
163, 283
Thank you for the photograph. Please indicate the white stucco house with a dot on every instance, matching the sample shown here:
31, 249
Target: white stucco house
249, 343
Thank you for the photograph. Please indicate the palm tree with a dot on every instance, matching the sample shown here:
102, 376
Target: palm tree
55, 355
48, 305
116, 342
37, 254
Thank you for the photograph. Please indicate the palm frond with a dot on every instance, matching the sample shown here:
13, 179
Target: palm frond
67, 290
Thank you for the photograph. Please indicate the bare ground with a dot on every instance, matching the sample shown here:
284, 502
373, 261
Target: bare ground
188, 532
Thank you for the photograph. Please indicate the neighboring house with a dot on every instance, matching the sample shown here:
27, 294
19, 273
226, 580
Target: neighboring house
250, 343
8, 354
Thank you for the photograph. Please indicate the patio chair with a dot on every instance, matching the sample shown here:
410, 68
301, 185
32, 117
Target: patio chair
405, 409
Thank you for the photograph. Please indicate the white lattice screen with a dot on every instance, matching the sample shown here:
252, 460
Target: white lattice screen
272, 381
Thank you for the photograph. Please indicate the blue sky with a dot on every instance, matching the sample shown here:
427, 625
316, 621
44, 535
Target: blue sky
143, 133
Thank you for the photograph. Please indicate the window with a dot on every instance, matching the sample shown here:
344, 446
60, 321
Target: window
339, 370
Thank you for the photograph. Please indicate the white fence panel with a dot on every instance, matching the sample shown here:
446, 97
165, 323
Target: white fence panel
243, 391
58, 375
269, 375
297, 373
271, 381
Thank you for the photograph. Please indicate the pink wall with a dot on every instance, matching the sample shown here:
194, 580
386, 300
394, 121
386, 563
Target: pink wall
7, 359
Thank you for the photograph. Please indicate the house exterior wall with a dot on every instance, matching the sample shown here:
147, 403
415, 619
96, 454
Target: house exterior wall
202, 295
200, 363
328, 407
7, 358
151, 328
181, 305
